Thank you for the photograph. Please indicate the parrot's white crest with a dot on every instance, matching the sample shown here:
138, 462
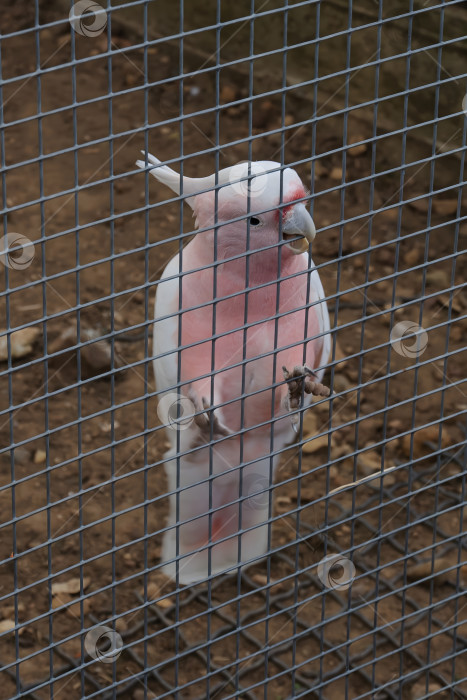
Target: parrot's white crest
220, 367
250, 186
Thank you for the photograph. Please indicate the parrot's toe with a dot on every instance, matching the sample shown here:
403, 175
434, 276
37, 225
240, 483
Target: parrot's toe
299, 381
210, 427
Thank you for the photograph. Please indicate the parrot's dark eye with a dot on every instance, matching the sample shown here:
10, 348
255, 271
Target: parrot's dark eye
254, 221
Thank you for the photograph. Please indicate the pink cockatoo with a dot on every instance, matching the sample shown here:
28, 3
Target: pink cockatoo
240, 328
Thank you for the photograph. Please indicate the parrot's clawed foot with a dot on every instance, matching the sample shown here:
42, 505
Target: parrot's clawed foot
300, 381
205, 418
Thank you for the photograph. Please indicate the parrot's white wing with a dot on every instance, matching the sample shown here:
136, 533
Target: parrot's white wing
165, 329
317, 291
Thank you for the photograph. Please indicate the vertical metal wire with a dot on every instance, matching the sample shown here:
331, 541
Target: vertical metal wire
294, 611
393, 304
333, 338
44, 303
246, 297
345, 137
213, 345
113, 503
433, 164
147, 354
178, 514
78, 335
364, 313
9, 377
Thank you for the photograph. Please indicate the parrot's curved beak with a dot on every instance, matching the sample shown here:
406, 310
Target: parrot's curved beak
298, 222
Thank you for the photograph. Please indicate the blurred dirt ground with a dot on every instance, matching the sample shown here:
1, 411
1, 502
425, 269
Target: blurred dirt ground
105, 483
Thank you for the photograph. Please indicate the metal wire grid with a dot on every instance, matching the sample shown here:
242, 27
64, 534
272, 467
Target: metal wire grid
386, 638
311, 661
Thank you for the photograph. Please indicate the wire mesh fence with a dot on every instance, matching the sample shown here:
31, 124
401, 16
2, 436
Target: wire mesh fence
227, 529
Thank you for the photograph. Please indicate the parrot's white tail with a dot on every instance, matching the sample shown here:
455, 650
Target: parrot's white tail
213, 528
169, 177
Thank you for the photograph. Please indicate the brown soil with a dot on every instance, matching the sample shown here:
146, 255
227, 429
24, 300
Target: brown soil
99, 438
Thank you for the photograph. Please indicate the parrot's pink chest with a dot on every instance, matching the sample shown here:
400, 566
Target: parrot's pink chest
243, 342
